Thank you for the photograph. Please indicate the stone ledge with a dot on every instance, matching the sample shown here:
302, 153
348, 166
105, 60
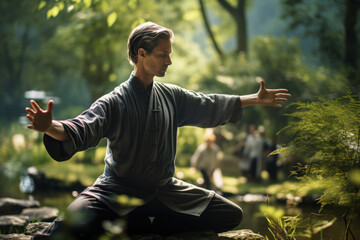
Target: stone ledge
10, 206
15, 237
17, 223
43, 214
13, 223
244, 234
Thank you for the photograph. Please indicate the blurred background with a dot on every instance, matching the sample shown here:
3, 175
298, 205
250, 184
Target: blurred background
74, 51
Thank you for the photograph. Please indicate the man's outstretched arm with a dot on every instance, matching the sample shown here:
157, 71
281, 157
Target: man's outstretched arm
41, 121
265, 97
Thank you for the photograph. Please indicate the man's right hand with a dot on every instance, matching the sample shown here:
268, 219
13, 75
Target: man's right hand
40, 120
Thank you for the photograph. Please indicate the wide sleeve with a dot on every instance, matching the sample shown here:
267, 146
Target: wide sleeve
198, 109
85, 130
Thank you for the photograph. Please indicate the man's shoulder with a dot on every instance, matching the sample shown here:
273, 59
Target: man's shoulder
169, 88
116, 96
118, 91
166, 85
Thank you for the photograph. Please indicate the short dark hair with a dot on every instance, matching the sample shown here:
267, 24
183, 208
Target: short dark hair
146, 36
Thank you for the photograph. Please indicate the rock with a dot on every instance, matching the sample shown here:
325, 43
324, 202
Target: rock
15, 206
146, 237
43, 183
244, 234
15, 237
13, 223
34, 228
201, 235
44, 214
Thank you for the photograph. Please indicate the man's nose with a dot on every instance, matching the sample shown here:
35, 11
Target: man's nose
168, 61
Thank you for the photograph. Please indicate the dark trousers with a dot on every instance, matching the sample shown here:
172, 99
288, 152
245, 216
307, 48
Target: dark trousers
89, 213
253, 166
207, 178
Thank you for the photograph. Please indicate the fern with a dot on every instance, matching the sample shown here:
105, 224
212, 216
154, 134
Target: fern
325, 134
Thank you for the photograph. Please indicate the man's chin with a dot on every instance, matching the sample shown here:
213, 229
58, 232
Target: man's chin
160, 74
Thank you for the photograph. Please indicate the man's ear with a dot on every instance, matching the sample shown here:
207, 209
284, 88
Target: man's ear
141, 54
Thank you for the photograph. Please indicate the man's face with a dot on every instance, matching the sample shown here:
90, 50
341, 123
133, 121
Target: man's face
157, 62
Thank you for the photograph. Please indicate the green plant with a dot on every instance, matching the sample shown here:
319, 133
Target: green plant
288, 228
20, 148
326, 136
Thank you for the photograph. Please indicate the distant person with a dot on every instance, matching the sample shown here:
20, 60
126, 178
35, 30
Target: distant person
244, 163
207, 158
272, 164
139, 119
253, 153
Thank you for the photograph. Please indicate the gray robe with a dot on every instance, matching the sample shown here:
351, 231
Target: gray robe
141, 132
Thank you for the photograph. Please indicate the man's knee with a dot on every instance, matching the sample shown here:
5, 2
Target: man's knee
237, 216
224, 213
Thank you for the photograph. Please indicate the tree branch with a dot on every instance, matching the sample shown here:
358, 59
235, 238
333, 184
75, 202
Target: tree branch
209, 31
225, 4
238, 14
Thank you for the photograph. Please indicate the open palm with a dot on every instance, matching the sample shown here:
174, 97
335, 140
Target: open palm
40, 119
271, 97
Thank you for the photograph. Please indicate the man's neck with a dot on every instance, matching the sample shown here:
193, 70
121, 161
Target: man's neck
145, 79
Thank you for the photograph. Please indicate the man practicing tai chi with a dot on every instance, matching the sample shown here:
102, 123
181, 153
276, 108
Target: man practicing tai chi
139, 119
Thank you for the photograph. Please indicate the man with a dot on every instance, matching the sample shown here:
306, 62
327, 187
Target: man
207, 158
140, 118
253, 152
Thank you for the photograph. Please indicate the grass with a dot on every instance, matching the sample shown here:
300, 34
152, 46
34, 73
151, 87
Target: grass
71, 171
231, 184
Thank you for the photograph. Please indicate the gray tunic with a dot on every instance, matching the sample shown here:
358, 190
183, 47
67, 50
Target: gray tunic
141, 132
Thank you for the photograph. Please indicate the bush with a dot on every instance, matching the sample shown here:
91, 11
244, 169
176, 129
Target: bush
326, 134
21, 148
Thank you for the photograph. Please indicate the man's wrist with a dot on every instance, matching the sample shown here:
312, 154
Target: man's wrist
57, 131
249, 100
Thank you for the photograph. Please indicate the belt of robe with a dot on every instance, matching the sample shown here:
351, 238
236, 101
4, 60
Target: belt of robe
124, 181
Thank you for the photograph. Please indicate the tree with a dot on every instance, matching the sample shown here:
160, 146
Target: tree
100, 28
334, 25
22, 32
237, 13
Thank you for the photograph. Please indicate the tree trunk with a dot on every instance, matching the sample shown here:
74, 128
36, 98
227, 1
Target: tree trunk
13, 87
209, 31
238, 14
241, 28
351, 43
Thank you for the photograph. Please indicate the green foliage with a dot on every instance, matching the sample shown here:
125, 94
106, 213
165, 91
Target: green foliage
325, 134
189, 138
314, 187
316, 20
125, 200
279, 229
271, 211
70, 171
332, 24
289, 228
20, 149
